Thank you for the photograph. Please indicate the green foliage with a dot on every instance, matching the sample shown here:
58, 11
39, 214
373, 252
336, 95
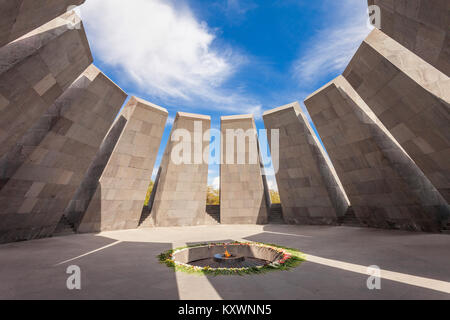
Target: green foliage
296, 259
274, 196
212, 196
149, 193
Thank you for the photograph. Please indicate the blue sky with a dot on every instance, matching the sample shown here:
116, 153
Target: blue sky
223, 57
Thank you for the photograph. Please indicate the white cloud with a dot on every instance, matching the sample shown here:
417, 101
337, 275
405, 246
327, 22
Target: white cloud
155, 173
215, 183
333, 47
165, 51
236, 10
271, 183
240, 6
170, 121
257, 111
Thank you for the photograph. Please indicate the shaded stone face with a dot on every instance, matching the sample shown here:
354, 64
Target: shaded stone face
422, 26
74, 212
18, 17
120, 192
180, 199
44, 169
34, 71
411, 98
242, 197
385, 187
309, 188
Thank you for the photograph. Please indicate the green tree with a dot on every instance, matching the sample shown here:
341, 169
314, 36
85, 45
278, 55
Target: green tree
274, 196
212, 196
149, 193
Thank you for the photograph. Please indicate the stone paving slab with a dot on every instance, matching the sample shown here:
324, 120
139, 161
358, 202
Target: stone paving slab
123, 264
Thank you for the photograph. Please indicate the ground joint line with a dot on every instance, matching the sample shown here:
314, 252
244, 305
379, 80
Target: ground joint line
88, 253
432, 284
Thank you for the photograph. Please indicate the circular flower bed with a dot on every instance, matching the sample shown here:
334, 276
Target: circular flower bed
261, 258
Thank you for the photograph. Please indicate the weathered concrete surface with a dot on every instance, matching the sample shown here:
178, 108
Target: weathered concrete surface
242, 197
121, 190
74, 212
411, 98
18, 17
385, 187
180, 199
422, 26
309, 187
43, 170
122, 265
34, 71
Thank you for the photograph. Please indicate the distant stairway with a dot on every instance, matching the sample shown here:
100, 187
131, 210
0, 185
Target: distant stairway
276, 214
64, 228
349, 219
446, 228
212, 214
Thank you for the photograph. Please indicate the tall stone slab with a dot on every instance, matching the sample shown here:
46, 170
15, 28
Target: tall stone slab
18, 17
74, 212
34, 71
180, 199
411, 98
43, 170
310, 190
242, 196
385, 187
121, 190
422, 26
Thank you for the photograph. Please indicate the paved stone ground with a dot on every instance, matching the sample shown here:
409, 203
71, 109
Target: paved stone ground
123, 264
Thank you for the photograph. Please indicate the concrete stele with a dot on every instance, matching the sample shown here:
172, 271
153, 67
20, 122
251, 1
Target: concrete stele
34, 71
43, 170
385, 187
19, 17
310, 190
242, 196
411, 98
121, 189
422, 26
180, 198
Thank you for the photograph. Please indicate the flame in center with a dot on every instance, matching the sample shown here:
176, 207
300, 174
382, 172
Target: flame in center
227, 254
